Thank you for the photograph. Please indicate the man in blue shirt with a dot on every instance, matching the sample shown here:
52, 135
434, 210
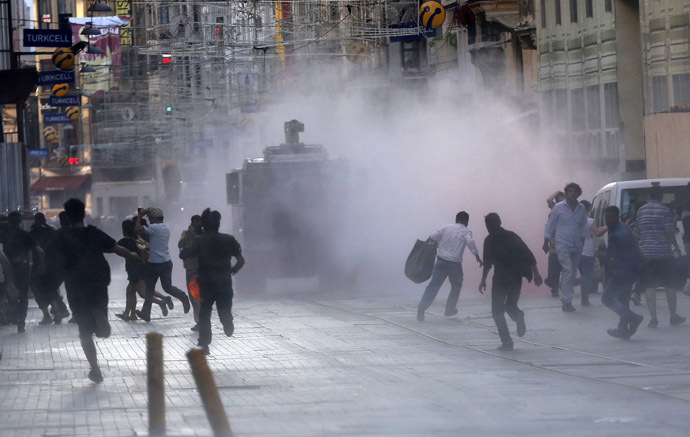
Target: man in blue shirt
568, 220
624, 256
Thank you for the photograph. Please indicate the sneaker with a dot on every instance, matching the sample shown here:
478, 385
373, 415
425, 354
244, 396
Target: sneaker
164, 308
420, 316
46, 320
195, 328
169, 302
229, 328
677, 320
122, 317
452, 312
205, 350
505, 347
185, 304
555, 293
653, 323
58, 318
634, 323
617, 333
142, 316
96, 376
568, 307
585, 303
521, 327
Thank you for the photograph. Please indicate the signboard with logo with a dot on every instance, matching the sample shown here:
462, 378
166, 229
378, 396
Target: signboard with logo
56, 119
39, 153
70, 100
55, 76
47, 38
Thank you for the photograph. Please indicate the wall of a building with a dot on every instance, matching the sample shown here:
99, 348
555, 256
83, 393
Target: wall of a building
666, 140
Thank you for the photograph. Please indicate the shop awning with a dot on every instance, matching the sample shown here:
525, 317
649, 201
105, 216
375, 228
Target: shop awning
59, 183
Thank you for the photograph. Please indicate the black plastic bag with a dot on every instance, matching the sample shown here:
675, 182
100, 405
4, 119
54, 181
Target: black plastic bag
420, 262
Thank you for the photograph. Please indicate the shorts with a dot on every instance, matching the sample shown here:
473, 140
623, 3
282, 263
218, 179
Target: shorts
658, 273
90, 310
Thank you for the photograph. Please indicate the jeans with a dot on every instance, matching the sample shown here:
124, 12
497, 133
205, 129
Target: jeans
569, 259
617, 297
164, 272
443, 269
221, 294
587, 283
505, 293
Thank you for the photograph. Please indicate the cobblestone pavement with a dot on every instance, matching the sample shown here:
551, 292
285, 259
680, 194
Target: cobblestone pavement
361, 365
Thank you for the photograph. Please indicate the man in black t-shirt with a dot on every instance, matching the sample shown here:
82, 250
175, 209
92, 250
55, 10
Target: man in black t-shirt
214, 252
19, 246
511, 259
87, 276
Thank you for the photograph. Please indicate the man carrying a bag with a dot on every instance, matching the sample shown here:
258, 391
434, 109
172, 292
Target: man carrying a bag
452, 240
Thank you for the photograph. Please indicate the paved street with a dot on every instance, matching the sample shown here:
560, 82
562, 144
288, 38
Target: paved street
362, 365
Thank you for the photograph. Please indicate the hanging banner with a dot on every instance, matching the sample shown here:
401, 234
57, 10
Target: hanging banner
123, 9
55, 76
47, 38
71, 100
56, 119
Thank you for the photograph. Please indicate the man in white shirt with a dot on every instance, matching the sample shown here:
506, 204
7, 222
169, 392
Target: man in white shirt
159, 264
452, 240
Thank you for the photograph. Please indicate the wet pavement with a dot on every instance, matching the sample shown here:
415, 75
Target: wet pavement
361, 365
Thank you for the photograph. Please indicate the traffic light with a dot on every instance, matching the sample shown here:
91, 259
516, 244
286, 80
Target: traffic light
219, 27
166, 59
168, 110
73, 155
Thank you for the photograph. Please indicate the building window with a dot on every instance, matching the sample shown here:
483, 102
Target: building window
608, 5
589, 8
543, 13
611, 105
681, 89
660, 101
573, 11
593, 108
577, 109
557, 3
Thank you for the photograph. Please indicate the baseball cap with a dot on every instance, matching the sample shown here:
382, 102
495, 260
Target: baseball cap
154, 212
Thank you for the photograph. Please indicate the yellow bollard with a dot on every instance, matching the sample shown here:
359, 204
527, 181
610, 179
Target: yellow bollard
155, 383
209, 393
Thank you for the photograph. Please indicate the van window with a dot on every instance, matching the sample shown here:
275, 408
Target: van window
631, 199
595, 208
604, 203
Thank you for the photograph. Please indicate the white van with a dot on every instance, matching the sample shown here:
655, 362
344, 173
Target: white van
626, 194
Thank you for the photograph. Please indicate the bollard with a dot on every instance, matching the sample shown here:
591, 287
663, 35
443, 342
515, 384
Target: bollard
155, 383
209, 393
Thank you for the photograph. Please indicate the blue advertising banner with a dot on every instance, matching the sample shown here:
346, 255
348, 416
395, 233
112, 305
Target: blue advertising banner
55, 76
71, 100
417, 31
56, 119
39, 153
47, 38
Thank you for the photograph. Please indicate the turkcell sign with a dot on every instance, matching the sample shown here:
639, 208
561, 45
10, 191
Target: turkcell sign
55, 76
65, 101
39, 153
47, 38
56, 119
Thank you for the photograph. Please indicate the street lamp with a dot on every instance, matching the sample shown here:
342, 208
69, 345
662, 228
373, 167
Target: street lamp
99, 7
89, 30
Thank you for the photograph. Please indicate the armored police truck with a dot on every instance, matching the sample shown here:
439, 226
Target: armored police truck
285, 212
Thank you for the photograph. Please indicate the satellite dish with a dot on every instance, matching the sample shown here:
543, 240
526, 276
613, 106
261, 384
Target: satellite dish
181, 25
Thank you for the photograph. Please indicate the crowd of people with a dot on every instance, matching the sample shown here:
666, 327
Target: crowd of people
640, 256
41, 259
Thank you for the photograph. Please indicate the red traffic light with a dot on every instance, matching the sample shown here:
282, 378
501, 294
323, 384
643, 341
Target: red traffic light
73, 160
166, 59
